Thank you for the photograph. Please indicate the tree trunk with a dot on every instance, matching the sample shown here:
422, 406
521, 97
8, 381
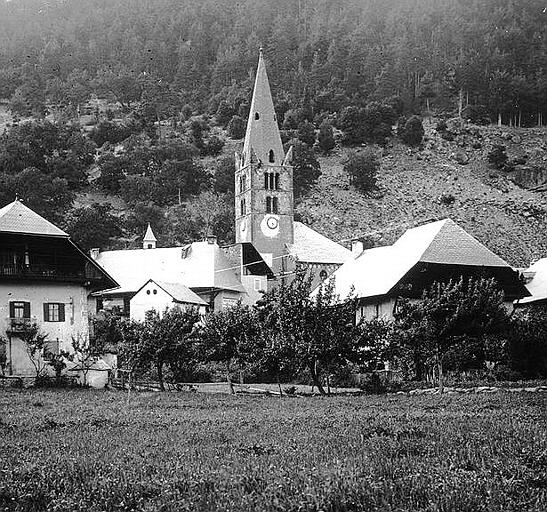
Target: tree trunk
499, 119
315, 378
460, 103
229, 380
328, 385
279, 384
159, 368
440, 373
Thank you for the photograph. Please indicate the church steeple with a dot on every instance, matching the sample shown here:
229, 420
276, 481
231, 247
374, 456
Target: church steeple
264, 181
262, 136
149, 241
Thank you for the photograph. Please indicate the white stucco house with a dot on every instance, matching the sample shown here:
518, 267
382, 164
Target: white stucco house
45, 279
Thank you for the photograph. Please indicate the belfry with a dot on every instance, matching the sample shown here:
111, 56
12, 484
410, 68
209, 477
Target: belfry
264, 181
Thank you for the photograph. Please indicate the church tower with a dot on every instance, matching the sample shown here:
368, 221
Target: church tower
264, 181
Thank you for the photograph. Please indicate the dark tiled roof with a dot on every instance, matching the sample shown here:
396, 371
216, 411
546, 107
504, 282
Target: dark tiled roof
18, 218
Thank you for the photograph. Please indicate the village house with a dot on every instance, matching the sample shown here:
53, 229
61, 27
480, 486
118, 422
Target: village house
270, 244
438, 251
45, 279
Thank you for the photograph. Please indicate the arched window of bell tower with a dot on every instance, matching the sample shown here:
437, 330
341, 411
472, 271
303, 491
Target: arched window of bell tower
271, 156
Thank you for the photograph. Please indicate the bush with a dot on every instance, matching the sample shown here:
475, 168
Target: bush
326, 137
306, 168
498, 156
112, 173
441, 126
213, 146
236, 128
362, 168
107, 131
413, 131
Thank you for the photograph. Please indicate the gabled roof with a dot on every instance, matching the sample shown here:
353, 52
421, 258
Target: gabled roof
178, 292
199, 265
376, 271
262, 133
311, 247
538, 285
18, 218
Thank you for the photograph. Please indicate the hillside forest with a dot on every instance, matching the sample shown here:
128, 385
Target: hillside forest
122, 112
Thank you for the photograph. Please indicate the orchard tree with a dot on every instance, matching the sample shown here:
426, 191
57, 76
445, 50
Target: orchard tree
315, 332
227, 336
449, 316
35, 342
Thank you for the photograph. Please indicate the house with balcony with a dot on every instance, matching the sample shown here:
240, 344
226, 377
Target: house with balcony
44, 279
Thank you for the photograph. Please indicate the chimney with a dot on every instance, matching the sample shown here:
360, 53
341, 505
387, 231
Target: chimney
211, 239
94, 253
356, 247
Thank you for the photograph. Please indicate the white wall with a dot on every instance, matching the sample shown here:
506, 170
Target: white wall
382, 309
73, 296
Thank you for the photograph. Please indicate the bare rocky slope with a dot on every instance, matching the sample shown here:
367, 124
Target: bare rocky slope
416, 186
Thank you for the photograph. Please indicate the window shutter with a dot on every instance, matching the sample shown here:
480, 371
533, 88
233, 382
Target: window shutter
11, 310
46, 312
61, 312
26, 310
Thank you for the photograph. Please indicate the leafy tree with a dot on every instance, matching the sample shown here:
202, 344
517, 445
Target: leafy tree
352, 121
119, 83
35, 342
362, 167
48, 197
326, 137
136, 189
236, 128
317, 333
224, 113
449, 316
112, 169
413, 131
227, 336
306, 168
109, 131
93, 226
224, 180
306, 133
143, 213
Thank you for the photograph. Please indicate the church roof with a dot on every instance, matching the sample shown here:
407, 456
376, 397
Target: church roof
18, 218
178, 291
262, 133
538, 285
376, 271
199, 265
149, 235
311, 247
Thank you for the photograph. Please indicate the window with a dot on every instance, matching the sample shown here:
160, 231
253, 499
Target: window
323, 275
271, 181
242, 205
276, 181
257, 284
243, 183
257, 116
271, 156
54, 312
275, 206
268, 204
19, 309
150, 246
266, 180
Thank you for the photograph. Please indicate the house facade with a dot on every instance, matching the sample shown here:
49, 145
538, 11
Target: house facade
435, 252
45, 279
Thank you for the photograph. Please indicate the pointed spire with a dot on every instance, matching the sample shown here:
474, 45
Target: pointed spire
262, 134
149, 240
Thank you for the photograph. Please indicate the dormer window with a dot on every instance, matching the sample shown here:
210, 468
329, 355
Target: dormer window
257, 116
271, 156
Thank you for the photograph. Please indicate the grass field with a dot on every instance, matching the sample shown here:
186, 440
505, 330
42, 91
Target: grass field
84, 450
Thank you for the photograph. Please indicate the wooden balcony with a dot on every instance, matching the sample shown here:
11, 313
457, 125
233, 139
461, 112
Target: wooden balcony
40, 272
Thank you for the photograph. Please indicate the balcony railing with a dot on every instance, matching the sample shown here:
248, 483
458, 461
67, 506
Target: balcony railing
48, 272
18, 325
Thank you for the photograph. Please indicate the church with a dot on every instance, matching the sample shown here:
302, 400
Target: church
270, 245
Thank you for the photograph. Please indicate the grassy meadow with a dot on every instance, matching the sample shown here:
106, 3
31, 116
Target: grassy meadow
95, 450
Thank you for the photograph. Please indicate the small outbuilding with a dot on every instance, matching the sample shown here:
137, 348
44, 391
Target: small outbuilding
160, 295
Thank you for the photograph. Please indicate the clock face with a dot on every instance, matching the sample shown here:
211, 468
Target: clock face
270, 226
272, 222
